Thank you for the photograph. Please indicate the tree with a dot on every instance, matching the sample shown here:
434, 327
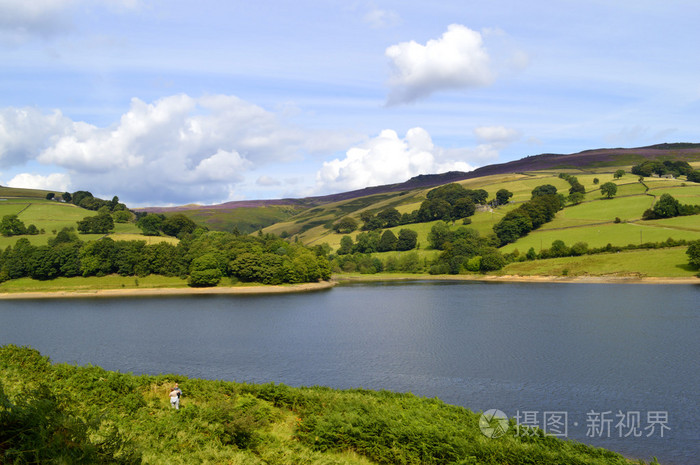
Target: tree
693, 253
666, 207
618, 174
463, 208
576, 198
390, 217
596, 181
694, 176
11, 225
609, 189
178, 225
439, 234
205, 271
345, 225
407, 240
100, 224
503, 196
150, 224
346, 245
66, 197
387, 242
50, 196
545, 189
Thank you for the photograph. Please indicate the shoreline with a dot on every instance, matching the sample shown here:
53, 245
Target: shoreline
338, 279
523, 279
171, 291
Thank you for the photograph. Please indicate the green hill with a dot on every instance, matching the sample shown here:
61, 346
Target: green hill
59, 413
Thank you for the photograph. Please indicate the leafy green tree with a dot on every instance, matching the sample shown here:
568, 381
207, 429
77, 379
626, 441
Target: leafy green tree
407, 240
346, 245
492, 260
150, 224
345, 225
503, 196
121, 216
66, 197
50, 196
618, 174
387, 242
576, 198
545, 189
97, 257
439, 234
367, 242
11, 225
609, 189
693, 253
177, 225
666, 207
205, 271
99, 224
596, 181
463, 208
694, 176
390, 217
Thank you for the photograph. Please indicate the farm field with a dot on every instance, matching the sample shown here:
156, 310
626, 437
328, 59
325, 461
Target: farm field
671, 262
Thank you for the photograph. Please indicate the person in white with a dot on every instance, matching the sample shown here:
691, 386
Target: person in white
175, 398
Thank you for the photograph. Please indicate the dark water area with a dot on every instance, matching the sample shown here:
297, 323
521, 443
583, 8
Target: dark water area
620, 364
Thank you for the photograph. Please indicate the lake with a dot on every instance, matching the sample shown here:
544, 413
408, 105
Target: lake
618, 363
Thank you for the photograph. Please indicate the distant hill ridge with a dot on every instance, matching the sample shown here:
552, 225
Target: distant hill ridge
588, 158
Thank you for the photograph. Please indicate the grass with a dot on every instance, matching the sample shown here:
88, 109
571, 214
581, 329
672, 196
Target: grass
233, 423
600, 235
671, 262
626, 208
91, 283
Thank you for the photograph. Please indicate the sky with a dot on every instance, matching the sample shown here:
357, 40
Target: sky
177, 102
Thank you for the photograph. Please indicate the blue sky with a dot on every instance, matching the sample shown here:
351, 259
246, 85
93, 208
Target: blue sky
174, 102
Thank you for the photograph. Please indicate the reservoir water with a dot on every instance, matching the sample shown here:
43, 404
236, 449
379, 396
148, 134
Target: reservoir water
617, 365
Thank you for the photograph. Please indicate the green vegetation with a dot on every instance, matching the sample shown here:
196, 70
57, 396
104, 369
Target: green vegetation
59, 413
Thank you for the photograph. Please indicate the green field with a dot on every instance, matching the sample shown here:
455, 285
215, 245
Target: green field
620, 234
91, 283
671, 262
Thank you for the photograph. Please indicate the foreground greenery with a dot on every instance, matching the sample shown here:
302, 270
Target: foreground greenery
58, 413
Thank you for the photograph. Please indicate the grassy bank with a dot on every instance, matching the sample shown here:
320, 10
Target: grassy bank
58, 413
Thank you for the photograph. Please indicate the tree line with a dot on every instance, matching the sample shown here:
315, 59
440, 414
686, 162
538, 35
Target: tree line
204, 258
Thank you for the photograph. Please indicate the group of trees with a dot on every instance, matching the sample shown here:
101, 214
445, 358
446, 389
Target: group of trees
450, 202
374, 241
669, 207
576, 186
86, 200
463, 249
205, 259
11, 225
153, 224
540, 209
649, 167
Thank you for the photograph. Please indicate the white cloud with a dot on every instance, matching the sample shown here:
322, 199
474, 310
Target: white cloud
25, 132
55, 181
267, 181
496, 134
379, 19
388, 159
457, 59
176, 149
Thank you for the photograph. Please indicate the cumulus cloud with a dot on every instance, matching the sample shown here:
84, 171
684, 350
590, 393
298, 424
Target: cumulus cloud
177, 149
54, 181
387, 159
457, 59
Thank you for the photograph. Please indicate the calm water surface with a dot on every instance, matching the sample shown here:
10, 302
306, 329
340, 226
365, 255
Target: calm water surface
526, 349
